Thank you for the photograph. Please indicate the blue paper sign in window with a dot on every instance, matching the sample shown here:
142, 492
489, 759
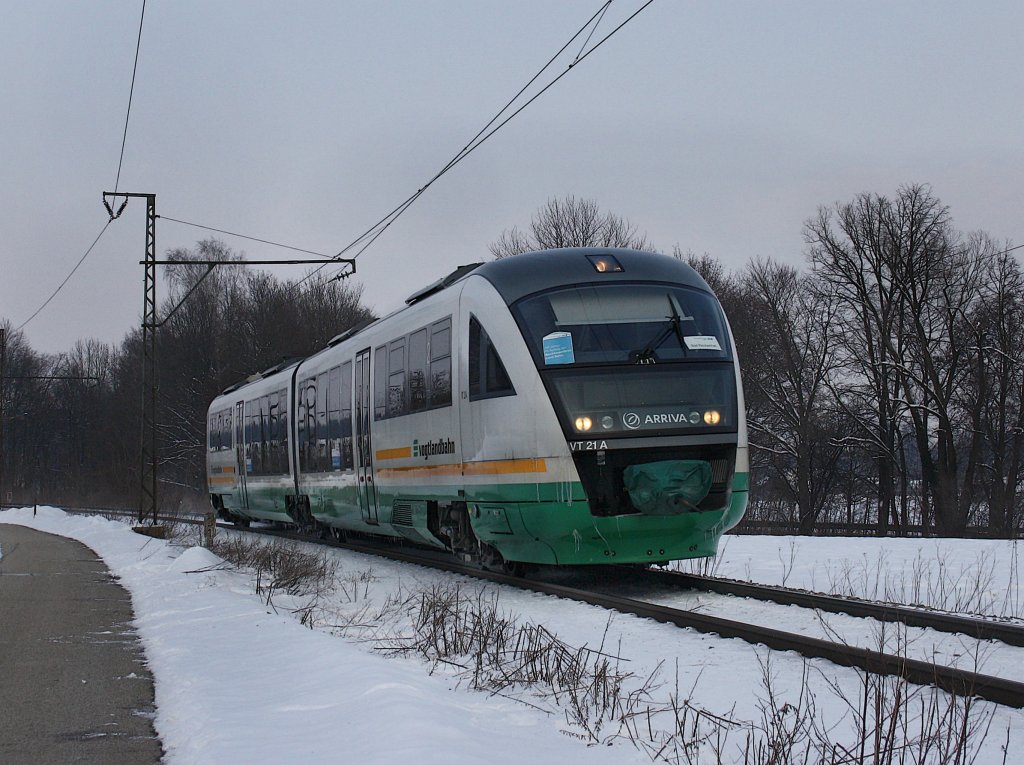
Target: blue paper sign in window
558, 348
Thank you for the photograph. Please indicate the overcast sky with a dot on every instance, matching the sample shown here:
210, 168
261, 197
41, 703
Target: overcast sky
720, 127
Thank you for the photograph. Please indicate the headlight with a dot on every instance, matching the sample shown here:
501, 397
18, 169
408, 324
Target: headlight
712, 417
584, 423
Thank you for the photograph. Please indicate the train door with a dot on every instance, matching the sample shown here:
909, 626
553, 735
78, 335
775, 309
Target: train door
364, 447
240, 471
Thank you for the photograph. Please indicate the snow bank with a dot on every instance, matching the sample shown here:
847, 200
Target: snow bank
237, 682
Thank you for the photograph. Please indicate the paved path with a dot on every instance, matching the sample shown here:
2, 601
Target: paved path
73, 684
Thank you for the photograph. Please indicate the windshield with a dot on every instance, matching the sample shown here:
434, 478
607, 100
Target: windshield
633, 359
623, 323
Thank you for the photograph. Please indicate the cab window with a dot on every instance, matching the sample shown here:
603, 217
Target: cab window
487, 375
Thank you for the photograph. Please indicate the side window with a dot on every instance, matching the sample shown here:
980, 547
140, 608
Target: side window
347, 461
441, 363
250, 435
380, 382
487, 375
282, 428
254, 446
305, 432
323, 454
417, 369
334, 419
225, 433
396, 378
264, 435
211, 445
273, 465
334, 404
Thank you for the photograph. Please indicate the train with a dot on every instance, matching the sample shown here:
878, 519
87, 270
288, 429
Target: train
562, 407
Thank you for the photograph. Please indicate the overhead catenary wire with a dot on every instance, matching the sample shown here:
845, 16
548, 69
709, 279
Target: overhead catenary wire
385, 222
371, 235
66, 278
586, 42
131, 93
120, 162
381, 225
244, 236
368, 237
485, 134
471, 144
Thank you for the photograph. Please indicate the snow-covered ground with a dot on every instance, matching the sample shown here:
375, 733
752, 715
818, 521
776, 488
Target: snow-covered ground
971, 576
238, 680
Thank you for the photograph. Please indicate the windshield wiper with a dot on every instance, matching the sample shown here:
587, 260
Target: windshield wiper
647, 355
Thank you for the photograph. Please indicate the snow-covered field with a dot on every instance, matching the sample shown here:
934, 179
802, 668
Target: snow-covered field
241, 680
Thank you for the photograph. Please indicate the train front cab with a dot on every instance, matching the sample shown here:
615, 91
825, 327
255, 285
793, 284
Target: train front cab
627, 442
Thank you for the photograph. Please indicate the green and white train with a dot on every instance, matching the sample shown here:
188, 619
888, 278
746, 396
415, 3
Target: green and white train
572, 406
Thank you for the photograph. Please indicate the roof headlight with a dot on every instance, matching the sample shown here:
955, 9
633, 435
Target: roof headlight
605, 264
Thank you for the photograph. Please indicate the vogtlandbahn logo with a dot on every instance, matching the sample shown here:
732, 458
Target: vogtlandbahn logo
432, 448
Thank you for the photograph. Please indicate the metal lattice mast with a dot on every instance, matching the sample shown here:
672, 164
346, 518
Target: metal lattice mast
3, 393
148, 453
148, 473
150, 324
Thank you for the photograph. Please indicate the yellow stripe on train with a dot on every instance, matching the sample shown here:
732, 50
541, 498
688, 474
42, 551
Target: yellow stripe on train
492, 467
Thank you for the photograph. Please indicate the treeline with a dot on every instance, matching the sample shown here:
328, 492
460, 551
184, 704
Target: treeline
73, 420
884, 381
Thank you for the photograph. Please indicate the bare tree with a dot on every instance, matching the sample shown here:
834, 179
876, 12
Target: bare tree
994, 395
788, 365
569, 222
710, 269
851, 251
906, 286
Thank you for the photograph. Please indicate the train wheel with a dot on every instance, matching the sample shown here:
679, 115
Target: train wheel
514, 568
492, 560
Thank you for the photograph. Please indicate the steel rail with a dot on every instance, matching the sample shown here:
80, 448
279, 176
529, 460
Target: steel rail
980, 629
955, 681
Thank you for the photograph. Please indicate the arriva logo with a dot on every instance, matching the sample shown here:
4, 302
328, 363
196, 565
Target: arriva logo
631, 420
635, 421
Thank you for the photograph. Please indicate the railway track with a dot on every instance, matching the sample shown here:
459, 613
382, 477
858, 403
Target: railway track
974, 627
952, 680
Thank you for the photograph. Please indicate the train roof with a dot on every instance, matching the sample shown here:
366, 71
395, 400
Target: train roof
517, 276
521, 275
268, 372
